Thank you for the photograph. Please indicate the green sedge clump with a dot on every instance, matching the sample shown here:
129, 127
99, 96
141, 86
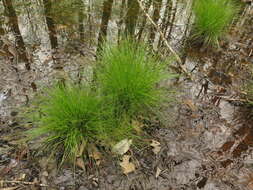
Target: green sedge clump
70, 115
74, 117
128, 77
212, 19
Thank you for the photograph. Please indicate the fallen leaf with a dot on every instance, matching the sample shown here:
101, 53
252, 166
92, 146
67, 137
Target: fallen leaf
127, 166
158, 171
122, 147
190, 104
156, 146
80, 163
95, 154
22, 177
81, 149
137, 126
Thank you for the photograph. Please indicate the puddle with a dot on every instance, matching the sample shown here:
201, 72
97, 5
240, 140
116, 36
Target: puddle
227, 111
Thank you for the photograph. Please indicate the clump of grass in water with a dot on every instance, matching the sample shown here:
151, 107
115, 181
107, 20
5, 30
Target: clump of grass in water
212, 19
128, 77
74, 115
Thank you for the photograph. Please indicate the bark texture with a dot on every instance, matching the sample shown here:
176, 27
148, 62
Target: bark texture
50, 24
13, 23
131, 17
107, 11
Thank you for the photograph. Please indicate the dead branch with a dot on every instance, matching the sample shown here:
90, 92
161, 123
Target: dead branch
24, 182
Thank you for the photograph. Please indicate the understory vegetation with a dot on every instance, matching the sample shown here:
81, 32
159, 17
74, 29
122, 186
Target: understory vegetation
212, 19
128, 76
126, 94
74, 115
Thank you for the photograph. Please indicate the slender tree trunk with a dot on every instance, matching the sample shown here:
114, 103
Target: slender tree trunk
144, 21
172, 20
121, 14
107, 11
131, 17
188, 23
13, 22
50, 24
187, 30
165, 21
80, 20
156, 15
90, 23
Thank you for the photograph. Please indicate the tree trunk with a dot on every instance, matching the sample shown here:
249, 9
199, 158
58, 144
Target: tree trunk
165, 21
50, 24
13, 22
156, 15
90, 21
80, 20
107, 11
172, 20
143, 24
121, 15
131, 17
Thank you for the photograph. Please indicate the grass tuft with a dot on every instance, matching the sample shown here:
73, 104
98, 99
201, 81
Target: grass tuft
212, 19
129, 78
70, 116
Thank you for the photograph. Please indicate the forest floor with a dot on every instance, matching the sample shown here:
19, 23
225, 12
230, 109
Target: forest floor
207, 145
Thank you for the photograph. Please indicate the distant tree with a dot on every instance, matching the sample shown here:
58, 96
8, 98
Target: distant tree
10, 13
50, 24
121, 15
144, 21
81, 19
107, 11
157, 4
172, 20
131, 17
165, 21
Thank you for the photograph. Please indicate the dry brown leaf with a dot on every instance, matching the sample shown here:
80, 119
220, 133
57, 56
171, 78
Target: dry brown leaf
156, 146
127, 166
122, 147
95, 154
80, 163
81, 149
137, 126
190, 104
158, 171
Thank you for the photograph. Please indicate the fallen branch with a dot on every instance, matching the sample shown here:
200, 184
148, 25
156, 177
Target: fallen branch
233, 99
164, 39
24, 183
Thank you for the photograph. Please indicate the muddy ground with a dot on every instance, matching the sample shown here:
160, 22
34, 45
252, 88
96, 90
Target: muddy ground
207, 144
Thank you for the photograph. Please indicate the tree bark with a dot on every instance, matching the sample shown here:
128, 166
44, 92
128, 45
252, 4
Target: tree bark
172, 20
13, 22
165, 21
121, 14
50, 24
107, 11
90, 21
80, 20
156, 15
143, 24
131, 17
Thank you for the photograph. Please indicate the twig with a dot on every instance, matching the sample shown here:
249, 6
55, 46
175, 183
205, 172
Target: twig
232, 99
164, 39
25, 183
